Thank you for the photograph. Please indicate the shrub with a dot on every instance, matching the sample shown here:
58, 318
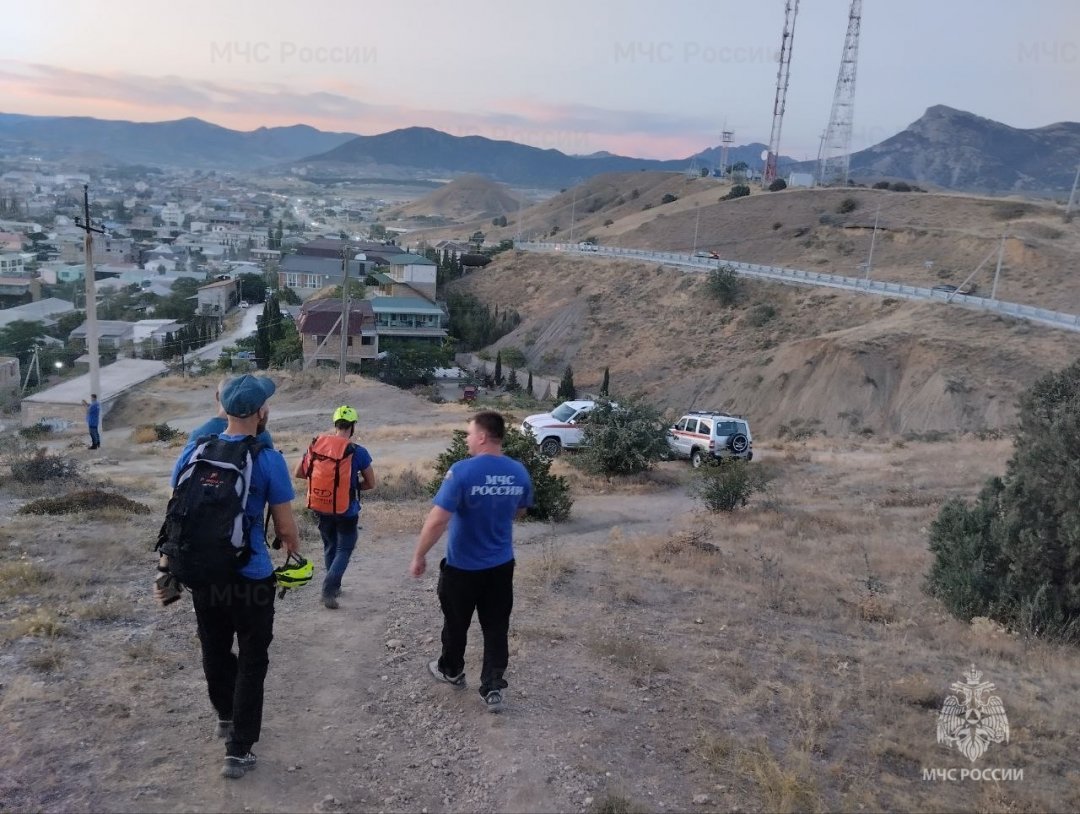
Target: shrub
847, 205
39, 466
777, 225
513, 357
724, 485
83, 501
608, 222
900, 186
737, 191
621, 440
35, 432
881, 185
725, 285
760, 314
551, 493
1014, 555
669, 198
404, 485
777, 185
145, 433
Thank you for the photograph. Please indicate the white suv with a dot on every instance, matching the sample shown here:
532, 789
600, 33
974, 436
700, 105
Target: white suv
558, 429
700, 434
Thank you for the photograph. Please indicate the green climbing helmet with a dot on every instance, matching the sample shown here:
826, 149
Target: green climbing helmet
345, 413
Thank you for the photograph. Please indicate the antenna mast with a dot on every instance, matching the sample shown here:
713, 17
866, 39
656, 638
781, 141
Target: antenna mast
91, 294
836, 149
725, 146
783, 74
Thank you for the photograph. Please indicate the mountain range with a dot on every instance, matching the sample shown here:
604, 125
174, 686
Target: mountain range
945, 148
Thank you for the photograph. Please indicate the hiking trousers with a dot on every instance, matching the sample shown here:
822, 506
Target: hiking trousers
339, 536
490, 592
243, 610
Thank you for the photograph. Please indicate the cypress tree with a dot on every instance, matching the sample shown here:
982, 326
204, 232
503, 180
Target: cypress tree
604, 386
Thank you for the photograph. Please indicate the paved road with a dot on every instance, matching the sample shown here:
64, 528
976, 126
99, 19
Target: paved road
247, 328
1055, 319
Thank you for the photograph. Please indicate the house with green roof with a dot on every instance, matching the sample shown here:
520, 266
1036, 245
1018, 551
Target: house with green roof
409, 318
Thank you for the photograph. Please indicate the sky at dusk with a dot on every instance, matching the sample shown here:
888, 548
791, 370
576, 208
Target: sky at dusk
649, 79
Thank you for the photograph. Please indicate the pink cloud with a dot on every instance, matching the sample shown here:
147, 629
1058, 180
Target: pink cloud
572, 129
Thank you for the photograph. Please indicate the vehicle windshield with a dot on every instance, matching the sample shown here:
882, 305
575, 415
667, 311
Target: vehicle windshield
564, 412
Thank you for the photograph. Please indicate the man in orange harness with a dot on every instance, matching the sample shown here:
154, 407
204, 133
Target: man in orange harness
336, 470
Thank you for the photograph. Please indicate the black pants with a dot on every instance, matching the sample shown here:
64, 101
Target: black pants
490, 593
244, 610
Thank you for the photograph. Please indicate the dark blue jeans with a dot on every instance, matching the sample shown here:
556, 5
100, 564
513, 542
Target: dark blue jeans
243, 610
95, 438
490, 592
339, 539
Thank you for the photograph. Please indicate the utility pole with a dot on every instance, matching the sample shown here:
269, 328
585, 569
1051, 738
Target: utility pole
873, 238
573, 207
344, 312
697, 223
1072, 195
997, 271
33, 366
91, 295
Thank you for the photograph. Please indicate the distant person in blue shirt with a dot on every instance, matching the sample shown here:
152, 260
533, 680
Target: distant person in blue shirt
217, 424
93, 420
479, 499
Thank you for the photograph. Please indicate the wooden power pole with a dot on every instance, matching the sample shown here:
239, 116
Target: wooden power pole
91, 296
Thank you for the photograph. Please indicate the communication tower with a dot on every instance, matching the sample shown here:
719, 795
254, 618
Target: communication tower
783, 73
836, 148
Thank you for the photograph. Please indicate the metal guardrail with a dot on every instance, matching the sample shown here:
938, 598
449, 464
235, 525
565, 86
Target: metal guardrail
1055, 319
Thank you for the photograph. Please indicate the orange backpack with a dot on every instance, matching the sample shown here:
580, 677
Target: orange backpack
329, 474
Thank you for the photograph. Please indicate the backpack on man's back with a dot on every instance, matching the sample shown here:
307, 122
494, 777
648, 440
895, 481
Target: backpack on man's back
329, 474
206, 535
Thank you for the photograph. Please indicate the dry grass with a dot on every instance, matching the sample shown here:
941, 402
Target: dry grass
403, 485
781, 789
18, 578
107, 609
48, 659
94, 501
43, 622
550, 569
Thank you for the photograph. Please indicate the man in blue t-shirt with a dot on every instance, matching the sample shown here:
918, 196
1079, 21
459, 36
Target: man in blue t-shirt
339, 532
244, 609
479, 499
93, 420
217, 424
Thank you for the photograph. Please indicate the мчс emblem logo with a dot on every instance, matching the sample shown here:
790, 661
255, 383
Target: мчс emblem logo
971, 720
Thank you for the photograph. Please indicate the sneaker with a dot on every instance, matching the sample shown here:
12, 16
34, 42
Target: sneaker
237, 766
457, 681
330, 601
494, 701
221, 730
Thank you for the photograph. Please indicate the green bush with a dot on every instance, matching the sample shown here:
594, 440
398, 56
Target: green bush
669, 198
777, 185
35, 431
551, 493
513, 357
1014, 555
847, 205
621, 440
724, 485
881, 185
725, 285
166, 433
760, 314
737, 191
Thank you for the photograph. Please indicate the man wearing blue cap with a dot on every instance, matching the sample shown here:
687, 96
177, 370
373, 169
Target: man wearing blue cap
243, 609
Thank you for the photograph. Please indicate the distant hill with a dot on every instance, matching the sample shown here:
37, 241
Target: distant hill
953, 149
466, 198
185, 142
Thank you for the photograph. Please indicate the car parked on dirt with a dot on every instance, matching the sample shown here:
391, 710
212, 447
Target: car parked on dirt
699, 435
560, 429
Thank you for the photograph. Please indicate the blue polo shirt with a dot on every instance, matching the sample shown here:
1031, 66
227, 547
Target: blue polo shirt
217, 425
93, 413
271, 485
484, 494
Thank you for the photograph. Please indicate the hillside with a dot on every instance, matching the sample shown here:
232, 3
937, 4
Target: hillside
923, 238
785, 356
468, 198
